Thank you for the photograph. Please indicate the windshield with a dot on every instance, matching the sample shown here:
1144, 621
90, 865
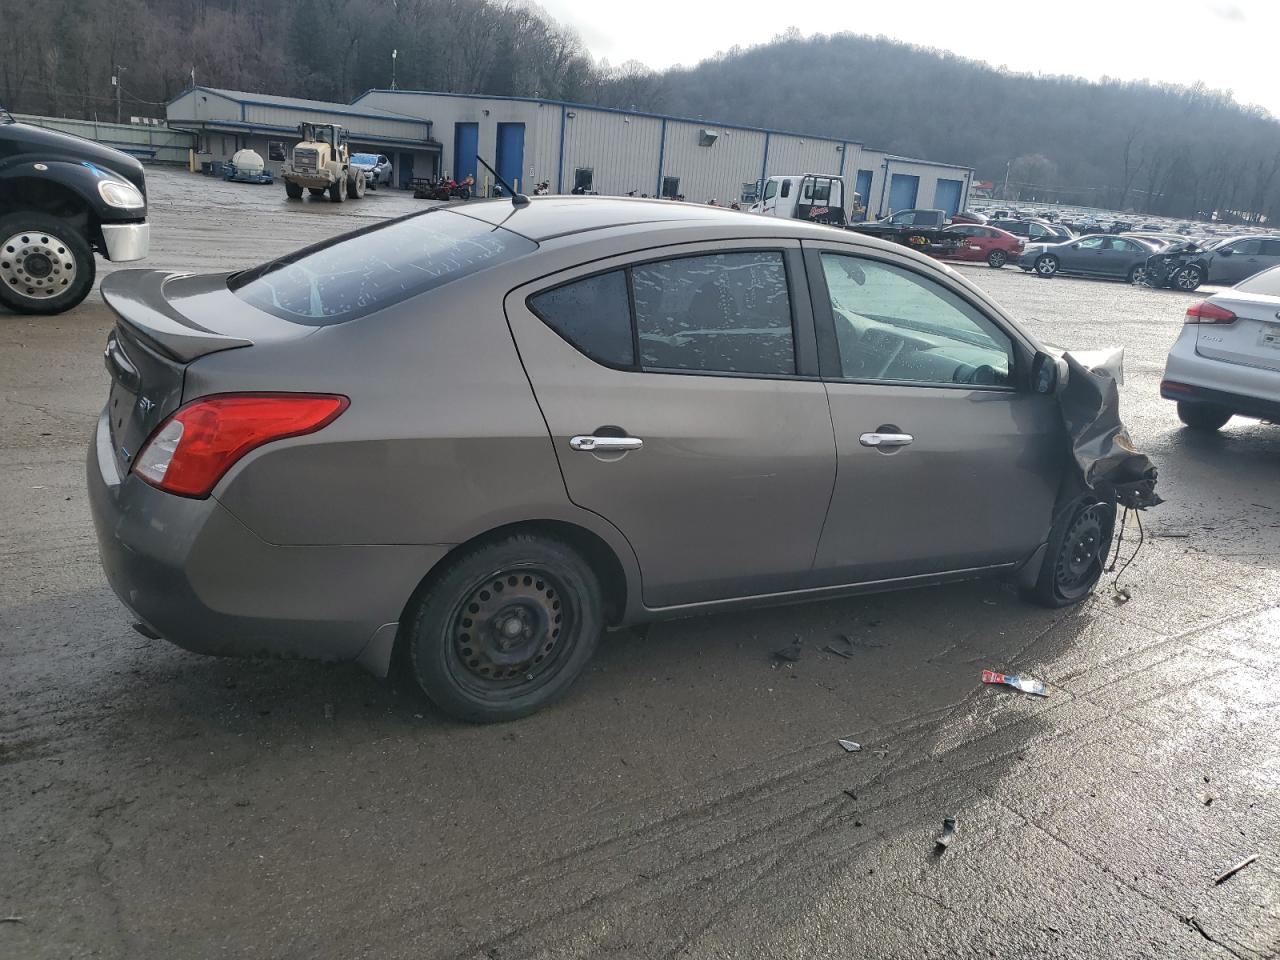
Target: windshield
359, 273
365, 159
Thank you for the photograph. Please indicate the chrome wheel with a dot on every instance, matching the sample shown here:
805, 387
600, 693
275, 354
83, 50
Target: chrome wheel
1188, 278
1047, 266
36, 265
1139, 275
997, 259
511, 630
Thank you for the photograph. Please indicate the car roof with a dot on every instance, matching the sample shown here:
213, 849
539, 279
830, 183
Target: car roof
545, 218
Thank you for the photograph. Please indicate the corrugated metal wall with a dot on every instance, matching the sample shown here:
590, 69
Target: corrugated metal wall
788, 154
622, 152
152, 144
717, 171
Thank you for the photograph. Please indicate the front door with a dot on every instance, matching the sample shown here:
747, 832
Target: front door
944, 463
682, 399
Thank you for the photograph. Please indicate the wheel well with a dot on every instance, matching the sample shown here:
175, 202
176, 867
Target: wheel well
598, 554
29, 193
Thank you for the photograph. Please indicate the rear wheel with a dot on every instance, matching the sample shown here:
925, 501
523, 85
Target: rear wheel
1188, 278
355, 185
293, 190
506, 629
1047, 266
1076, 554
1140, 275
997, 259
1203, 416
46, 264
338, 190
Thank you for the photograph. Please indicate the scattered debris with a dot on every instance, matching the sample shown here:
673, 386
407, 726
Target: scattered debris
881, 753
850, 746
841, 646
1120, 594
850, 794
948, 834
1207, 800
1170, 535
1025, 684
791, 652
1233, 870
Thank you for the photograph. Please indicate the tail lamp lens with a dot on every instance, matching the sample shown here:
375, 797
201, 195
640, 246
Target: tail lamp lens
189, 453
1206, 312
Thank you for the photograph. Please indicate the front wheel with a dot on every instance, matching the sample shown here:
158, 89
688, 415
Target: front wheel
355, 185
1077, 552
46, 264
293, 190
1047, 266
1188, 278
506, 629
1203, 416
997, 259
338, 190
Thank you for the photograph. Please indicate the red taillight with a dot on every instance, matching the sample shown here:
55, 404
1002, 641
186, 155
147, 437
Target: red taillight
192, 449
1206, 312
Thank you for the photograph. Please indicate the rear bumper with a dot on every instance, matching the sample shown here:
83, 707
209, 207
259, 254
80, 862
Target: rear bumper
1189, 377
126, 241
201, 579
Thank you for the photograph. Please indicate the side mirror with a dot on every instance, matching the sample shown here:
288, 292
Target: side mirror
1048, 373
1226, 253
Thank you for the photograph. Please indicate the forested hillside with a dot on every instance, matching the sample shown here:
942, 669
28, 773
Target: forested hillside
1159, 149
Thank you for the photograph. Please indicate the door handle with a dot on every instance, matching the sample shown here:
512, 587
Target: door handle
885, 439
592, 444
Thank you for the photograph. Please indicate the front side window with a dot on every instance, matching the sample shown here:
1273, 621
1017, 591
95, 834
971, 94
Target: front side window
1247, 248
771, 189
1092, 243
906, 219
354, 275
1035, 230
727, 313
592, 314
896, 325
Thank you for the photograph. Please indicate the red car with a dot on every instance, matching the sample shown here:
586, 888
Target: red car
991, 244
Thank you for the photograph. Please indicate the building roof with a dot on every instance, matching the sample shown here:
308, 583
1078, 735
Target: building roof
297, 103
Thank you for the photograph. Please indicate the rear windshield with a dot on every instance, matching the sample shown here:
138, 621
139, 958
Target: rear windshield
353, 275
1266, 283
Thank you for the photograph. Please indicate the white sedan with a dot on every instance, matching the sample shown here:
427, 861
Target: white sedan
1226, 361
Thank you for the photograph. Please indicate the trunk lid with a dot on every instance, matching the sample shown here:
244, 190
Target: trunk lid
165, 322
1253, 340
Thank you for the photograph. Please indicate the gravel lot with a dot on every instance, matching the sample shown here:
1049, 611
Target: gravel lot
688, 799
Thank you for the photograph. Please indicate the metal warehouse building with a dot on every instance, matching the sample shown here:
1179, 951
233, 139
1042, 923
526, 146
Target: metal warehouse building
570, 145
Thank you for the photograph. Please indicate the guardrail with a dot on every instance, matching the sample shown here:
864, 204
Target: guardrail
150, 144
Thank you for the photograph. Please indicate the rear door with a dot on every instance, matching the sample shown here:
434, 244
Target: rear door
945, 463
680, 389
1242, 261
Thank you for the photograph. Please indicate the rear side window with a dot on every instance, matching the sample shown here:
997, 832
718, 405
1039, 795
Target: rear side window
1266, 283
727, 313
592, 314
354, 275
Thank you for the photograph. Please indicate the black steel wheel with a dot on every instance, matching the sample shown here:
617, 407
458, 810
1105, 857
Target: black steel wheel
1076, 553
997, 259
506, 629
1047, 265
46, 264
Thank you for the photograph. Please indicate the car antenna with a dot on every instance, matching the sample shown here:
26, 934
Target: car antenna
517, 199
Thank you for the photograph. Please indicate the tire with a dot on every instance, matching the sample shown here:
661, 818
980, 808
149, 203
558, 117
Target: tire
997, 259
46, 263
355, 185
1046, 265
293, 190
1078, 546
1139, 275
338, 190
1188, 278
317, 191
462, 658
1208, 417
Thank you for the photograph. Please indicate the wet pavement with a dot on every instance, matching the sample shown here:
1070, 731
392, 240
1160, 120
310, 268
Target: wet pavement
688, 799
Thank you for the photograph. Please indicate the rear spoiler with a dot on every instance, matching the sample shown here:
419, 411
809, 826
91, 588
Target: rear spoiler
137, 297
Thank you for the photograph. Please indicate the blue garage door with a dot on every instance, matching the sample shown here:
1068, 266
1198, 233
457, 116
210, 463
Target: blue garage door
863, 189
902, 192
466, 141
947, 196
511, 152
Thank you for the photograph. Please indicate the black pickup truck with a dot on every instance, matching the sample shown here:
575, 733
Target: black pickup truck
61, 199
923, 230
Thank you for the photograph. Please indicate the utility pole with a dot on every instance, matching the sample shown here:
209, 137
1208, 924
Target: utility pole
115, 82
1004, 192
393, 68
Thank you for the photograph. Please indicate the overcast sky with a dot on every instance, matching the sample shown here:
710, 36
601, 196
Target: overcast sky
1227, 44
